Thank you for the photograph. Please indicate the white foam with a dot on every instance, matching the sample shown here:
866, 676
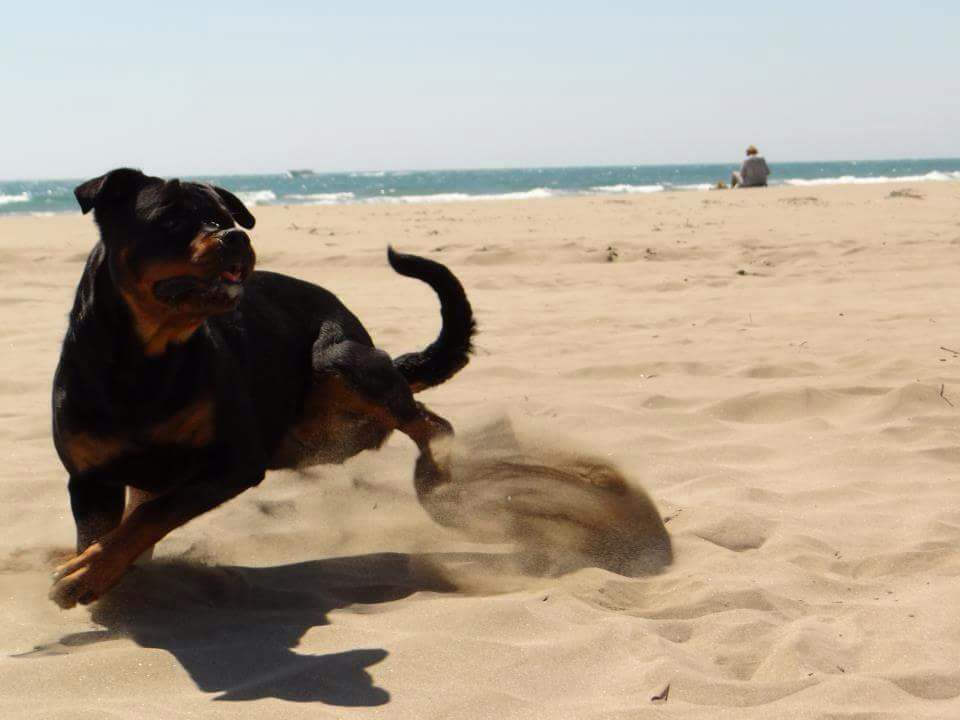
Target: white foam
539, 192
18, 198
257, 197
438, 197
696, 186
463, 197
935, 176
624, 188
322, 198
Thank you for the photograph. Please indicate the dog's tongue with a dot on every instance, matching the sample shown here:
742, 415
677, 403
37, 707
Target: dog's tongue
230, 276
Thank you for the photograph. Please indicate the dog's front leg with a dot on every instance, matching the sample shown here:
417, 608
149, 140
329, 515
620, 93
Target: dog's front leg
97, 508
100, 566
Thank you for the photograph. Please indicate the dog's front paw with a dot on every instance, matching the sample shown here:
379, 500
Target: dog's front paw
88, 576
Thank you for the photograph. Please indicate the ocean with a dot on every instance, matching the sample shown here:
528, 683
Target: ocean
41, 197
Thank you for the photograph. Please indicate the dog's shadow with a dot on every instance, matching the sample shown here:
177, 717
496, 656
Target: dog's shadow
234, 629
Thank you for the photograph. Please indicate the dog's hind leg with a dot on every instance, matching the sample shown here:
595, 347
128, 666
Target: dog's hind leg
423, 430
369, 385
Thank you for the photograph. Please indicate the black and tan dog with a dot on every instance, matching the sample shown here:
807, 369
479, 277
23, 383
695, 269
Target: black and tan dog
185, 375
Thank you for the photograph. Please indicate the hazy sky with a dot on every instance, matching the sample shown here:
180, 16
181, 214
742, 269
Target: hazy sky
218, 87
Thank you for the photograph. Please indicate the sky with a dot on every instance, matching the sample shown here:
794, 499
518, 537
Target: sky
218, 87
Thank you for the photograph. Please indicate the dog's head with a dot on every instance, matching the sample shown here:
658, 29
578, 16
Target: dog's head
174, 248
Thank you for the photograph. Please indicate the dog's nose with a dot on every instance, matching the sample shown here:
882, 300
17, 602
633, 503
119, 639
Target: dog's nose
235, 239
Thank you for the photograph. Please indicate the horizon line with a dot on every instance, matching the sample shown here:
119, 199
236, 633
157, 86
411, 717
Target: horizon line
496, 168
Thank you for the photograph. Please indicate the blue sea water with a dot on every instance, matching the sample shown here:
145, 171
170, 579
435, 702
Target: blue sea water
56, 196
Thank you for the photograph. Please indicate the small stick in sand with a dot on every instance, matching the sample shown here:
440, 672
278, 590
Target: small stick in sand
662, 695
945, 399
955, 352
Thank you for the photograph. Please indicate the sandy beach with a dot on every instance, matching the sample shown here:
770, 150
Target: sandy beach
778, 369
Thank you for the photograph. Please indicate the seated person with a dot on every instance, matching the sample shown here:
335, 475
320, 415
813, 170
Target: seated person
753, 172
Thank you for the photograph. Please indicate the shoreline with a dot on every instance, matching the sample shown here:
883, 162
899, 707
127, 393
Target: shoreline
445, 199
477, 186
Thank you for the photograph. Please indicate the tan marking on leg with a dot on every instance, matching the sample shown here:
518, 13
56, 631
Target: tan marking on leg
86, 577
91, 574
136, 498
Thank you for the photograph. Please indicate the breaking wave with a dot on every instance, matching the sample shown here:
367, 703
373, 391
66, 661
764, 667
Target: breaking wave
18, 198
257, 197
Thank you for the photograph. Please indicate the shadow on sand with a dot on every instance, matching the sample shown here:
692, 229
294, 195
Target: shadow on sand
233, 629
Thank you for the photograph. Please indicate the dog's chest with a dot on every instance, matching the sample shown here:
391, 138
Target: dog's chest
190, 426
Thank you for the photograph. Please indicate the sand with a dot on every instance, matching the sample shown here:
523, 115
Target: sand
773, 368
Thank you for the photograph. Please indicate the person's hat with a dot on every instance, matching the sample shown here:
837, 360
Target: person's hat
752, 150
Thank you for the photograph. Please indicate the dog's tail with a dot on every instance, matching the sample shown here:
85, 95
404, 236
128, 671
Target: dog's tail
448, 354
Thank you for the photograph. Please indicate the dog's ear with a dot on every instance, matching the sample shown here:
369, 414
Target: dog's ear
115, 186
237, 209
171, 191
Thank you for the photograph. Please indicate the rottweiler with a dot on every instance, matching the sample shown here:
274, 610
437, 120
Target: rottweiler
185, 375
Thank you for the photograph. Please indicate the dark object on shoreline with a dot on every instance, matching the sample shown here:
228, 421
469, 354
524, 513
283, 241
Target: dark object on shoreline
905, 193
753, 172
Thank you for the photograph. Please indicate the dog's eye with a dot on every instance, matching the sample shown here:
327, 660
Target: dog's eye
171, 225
